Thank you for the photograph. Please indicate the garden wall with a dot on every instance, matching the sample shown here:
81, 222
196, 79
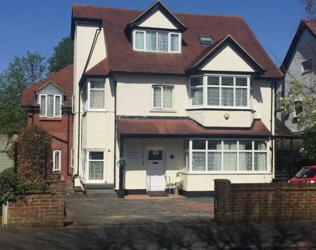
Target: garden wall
38, 209
264, 202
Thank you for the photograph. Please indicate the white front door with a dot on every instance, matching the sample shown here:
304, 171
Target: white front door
155, 169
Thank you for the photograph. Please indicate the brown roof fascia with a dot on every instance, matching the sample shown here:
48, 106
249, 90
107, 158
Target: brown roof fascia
206, 54
158, 5
300, 29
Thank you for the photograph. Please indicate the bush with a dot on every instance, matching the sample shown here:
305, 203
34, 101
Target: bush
31, 154
13, 187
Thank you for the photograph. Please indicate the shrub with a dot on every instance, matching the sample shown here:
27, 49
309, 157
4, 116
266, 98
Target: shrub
13, 187
31, 154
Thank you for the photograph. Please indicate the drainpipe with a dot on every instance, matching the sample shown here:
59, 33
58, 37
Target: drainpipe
97, 32
271, 123
68, 145
115, 130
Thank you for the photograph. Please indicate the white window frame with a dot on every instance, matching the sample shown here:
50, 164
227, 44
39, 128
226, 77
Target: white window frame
162, 97
87, 169
157, 31
295, 115
206, 151
220, 86
54, 108
88, 101
54, 161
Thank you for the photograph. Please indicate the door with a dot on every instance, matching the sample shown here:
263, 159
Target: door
155, 169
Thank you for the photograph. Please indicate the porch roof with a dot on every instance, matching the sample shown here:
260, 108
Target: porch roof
184, 127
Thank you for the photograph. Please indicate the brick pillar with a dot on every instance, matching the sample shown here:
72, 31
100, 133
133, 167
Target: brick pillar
222, 200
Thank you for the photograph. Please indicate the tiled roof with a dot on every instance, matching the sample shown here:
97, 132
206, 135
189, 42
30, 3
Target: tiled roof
100, 69
281, 129
122, 58
183, 127
311, 24
63, 79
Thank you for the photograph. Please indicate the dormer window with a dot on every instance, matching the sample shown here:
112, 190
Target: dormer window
50, 105
157, 41
307, 66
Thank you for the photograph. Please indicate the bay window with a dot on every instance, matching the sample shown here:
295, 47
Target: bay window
163, 97
228, 155
50, 105
220, 91
160, 41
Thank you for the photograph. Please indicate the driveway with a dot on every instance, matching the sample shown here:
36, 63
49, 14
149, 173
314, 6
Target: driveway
82, 211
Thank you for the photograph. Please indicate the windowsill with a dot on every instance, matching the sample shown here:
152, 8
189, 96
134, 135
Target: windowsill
163, 52
228, 173
221, 108
306, 72
162, 111
50, 118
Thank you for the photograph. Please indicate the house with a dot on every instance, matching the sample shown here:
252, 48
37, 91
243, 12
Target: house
299, 64
170, 92
49, 105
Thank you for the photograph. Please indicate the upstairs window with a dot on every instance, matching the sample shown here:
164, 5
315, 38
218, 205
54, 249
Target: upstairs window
298, 108
307, 66
163, 97
50, 105
94, 95
157, 41
220, 91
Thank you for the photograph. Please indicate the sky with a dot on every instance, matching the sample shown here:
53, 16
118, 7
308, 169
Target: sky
39, 25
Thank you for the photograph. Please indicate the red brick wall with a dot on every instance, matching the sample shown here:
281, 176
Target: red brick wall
57, 127
39, 209
264, 202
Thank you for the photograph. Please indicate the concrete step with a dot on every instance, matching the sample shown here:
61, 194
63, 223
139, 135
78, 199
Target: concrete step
98, 186
100, 193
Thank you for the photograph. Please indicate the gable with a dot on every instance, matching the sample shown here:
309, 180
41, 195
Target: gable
50, 89
227, 60
157, 20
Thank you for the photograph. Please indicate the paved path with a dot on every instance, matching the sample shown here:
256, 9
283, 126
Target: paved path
99, 211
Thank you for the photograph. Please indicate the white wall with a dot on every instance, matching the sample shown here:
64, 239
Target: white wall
158, 20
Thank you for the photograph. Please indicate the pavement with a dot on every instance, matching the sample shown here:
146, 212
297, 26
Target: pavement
155, 224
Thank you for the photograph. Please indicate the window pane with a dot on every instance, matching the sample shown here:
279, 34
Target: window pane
230, 161
241, 97
196, 81
214, 145
199, 144
97, 99
96, 170
228, 81
197, 96
97, 84
230, 145
214, 162
174, 42
198, 161
57, 167
96, 155
57, 105
241, 81
139, 40
213, 80
227, 97
50, 106
260, 145
245, 145
157, 97
163, 42
167, 97
260, 161
155, 155
213, 96
43, 105
245, 161
151, 41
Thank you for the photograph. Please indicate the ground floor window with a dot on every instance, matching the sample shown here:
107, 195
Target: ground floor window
228, 155
96, 165
56, 160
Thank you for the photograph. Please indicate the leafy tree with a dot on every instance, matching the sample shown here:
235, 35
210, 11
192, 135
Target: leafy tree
63, 55
21, 73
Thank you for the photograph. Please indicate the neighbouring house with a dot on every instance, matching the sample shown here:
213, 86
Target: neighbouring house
299, 63
170, 92
5, 161
49, 105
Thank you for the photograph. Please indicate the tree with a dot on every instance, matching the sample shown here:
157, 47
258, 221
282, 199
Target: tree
21, 73
63, 55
